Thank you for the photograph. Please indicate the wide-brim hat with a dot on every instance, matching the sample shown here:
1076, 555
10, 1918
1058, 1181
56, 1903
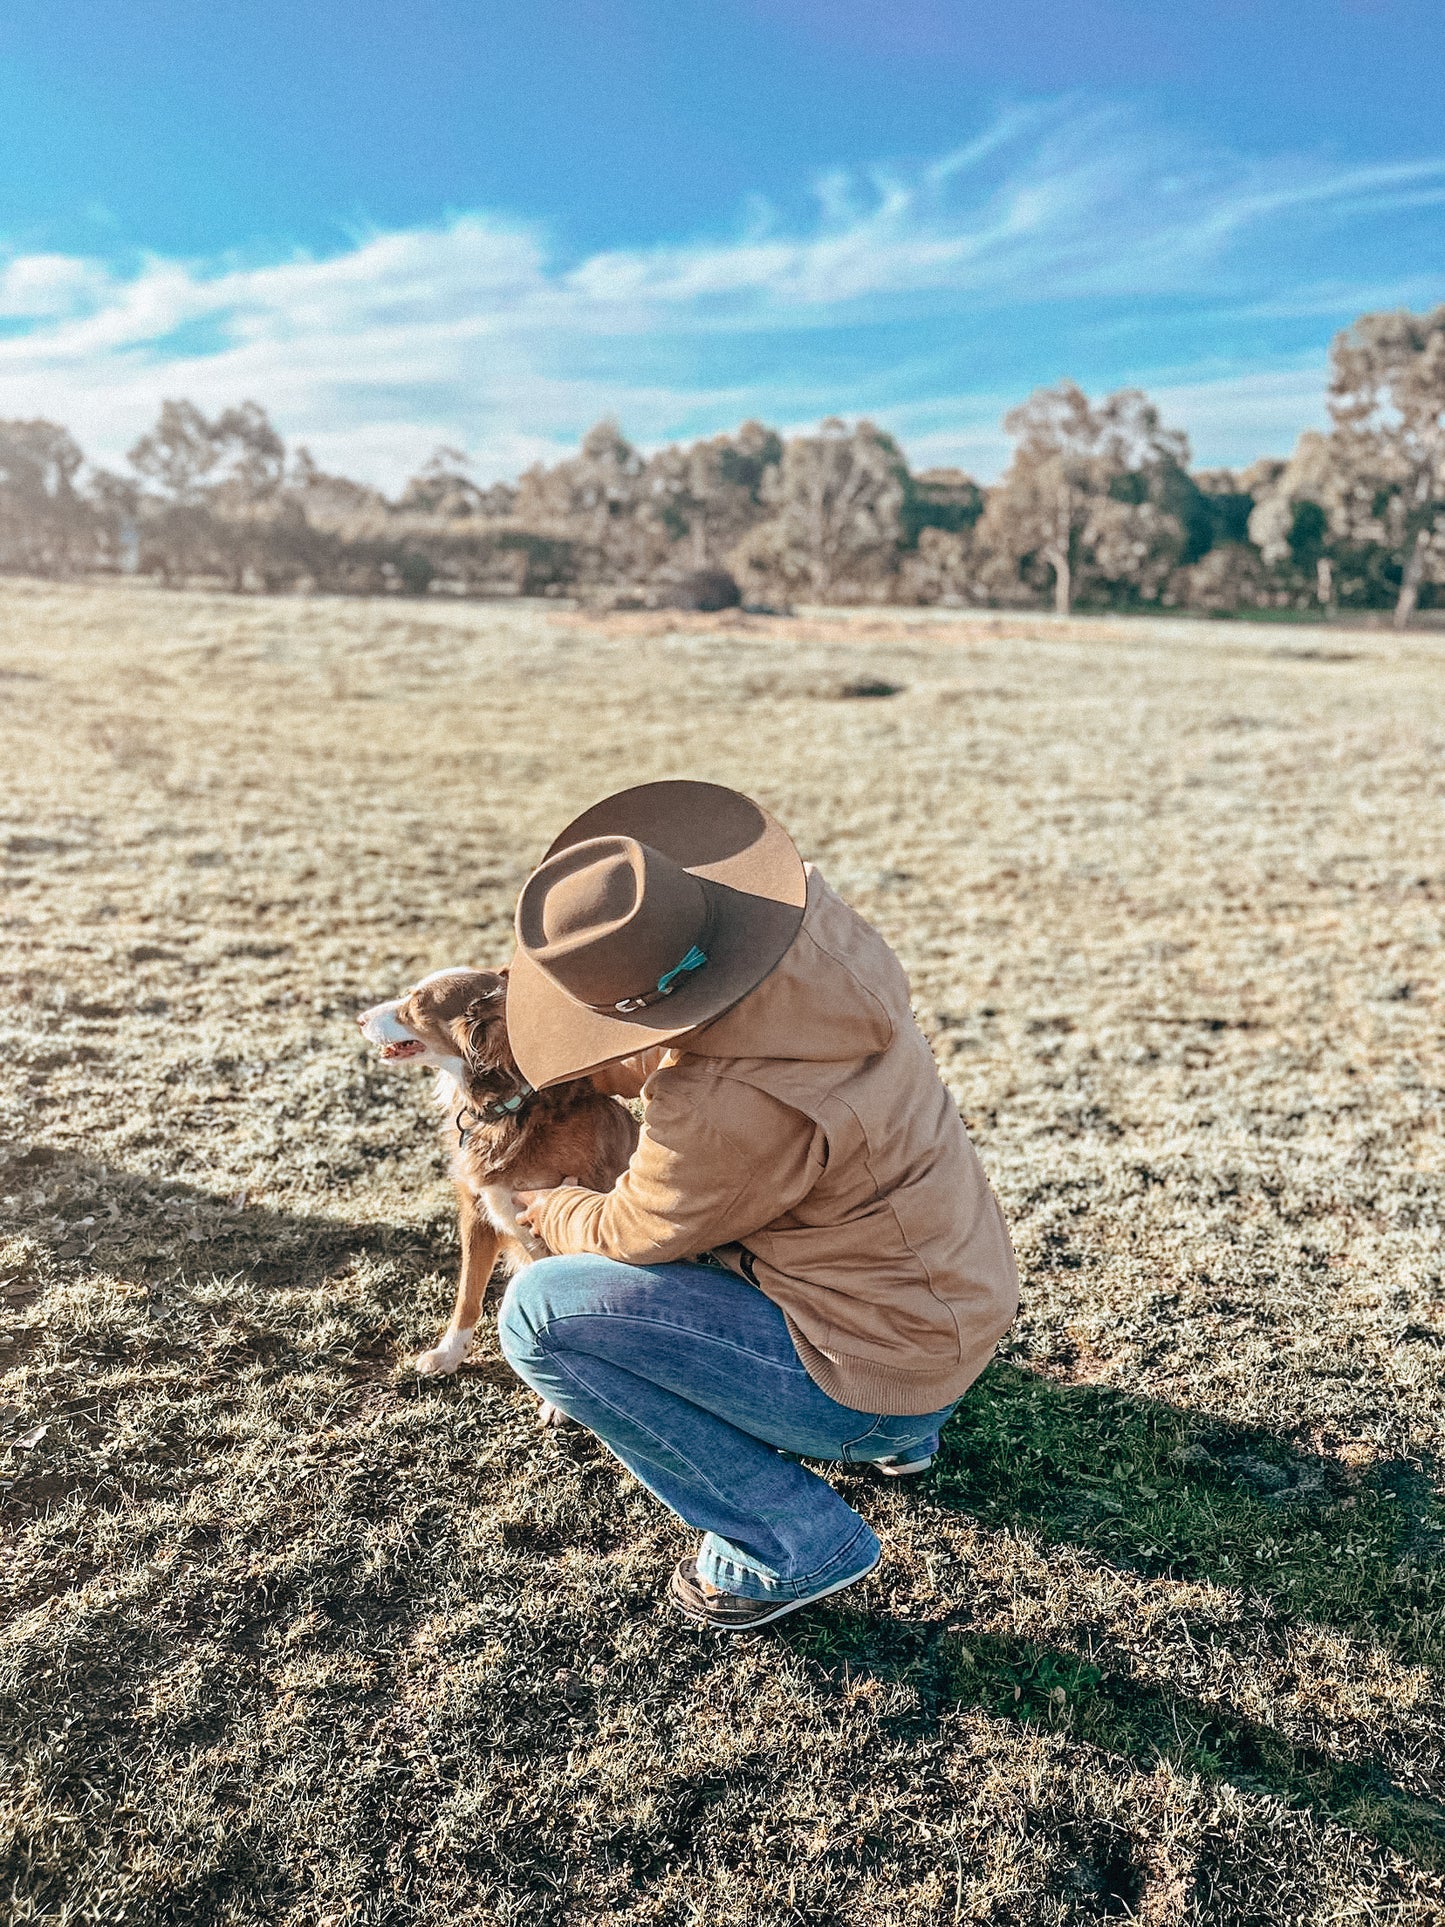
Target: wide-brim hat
653, 913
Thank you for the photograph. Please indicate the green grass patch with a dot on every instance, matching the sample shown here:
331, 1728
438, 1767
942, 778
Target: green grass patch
1167, 1493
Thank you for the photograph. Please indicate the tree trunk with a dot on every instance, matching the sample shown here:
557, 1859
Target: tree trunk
1058, 561
818, 561
1059, 556
1410, 583
1325, 587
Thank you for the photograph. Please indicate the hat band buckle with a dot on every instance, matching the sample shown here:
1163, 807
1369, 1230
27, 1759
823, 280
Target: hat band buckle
696, 959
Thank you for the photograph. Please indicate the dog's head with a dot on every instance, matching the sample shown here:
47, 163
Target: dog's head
454, 1021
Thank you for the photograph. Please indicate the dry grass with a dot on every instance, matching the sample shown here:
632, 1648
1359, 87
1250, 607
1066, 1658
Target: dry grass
295, 1637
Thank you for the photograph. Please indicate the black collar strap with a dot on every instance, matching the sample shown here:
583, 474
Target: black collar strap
501, 1107
493, 1113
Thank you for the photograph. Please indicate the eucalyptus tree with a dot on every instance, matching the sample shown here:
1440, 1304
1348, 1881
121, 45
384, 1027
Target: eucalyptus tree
44, 525
1300, 518
1387, 399
834, 508
1097, 496
210, 490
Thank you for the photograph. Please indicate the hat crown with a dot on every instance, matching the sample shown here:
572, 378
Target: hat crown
652, 913
607, 918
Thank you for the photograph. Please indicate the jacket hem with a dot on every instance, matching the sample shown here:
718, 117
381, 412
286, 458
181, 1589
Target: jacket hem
864, 1386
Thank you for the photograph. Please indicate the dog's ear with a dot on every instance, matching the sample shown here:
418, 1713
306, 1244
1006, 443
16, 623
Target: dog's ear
481, 1032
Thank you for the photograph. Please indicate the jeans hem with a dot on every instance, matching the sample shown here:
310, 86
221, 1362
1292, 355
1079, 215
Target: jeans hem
744, 1581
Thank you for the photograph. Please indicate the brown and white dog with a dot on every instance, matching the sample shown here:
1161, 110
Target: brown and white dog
503, 1135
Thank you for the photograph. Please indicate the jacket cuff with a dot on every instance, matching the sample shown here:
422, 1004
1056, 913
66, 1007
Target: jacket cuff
566, 1218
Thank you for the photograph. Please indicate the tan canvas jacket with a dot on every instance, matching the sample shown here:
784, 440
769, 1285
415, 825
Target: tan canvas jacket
807, 1139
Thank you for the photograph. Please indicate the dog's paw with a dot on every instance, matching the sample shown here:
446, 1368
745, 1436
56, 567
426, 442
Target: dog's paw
444, 1358
552, 1416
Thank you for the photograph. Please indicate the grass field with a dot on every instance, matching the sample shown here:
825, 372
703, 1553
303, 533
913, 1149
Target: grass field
293, 1636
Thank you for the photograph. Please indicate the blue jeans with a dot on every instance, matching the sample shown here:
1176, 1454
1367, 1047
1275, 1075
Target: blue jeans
688, 1375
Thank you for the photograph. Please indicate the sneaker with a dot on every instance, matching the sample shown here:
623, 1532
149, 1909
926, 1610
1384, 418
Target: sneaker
902, 1468
727, 1612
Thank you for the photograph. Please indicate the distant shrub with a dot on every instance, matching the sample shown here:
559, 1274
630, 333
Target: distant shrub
870, 686
1231, 577
706, 590
416, 571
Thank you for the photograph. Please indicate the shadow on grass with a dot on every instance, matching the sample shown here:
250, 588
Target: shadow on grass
103, 1218
1167, 1493
1142, 1486
1098, 1703
1170, 1493
198, 1291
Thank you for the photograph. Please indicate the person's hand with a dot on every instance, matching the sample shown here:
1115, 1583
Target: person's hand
523, 1201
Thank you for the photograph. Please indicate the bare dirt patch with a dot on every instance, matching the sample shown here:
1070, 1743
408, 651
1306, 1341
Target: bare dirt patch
293, 1636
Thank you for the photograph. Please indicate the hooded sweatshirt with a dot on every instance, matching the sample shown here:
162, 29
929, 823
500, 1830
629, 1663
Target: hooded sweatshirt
805, 1139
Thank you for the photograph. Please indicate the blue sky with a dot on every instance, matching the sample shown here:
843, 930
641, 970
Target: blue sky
395, 225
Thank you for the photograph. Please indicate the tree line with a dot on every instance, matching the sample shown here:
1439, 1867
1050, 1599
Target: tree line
1098, 509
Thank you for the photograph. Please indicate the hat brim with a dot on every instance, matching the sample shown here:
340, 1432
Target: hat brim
756, 886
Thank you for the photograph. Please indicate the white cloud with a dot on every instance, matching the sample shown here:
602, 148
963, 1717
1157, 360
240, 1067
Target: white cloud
1258, 414
472, 331
47, 286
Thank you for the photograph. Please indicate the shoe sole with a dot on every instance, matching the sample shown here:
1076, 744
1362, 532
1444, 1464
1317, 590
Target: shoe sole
779, 1612
886, 1471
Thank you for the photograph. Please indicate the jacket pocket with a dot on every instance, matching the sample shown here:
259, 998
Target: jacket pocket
918, 1332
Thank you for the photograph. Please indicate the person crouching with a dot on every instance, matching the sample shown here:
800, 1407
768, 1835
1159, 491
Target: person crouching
803, 1259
